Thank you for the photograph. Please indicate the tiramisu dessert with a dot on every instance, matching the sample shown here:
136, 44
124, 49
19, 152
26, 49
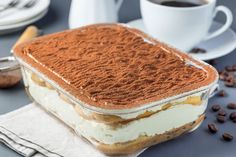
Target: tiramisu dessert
115, 86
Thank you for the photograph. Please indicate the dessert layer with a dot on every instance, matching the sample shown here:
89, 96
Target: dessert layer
114, 67
147, 141
114, 119
158, 123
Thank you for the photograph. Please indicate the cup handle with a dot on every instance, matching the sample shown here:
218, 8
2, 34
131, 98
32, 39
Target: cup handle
118, 5
229, 20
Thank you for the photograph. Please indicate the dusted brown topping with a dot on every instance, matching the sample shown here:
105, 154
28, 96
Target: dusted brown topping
111, 65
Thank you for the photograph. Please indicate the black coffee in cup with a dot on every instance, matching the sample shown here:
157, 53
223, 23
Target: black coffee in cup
179, 4
183, 3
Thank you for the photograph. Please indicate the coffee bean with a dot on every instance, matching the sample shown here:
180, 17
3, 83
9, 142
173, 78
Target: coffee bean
234, 67
198, 50
232, 116
229, 83
221, 119
222, 112
231, 106
194, 50
222, 93
212, 128
215, 108
227, 137
229, 68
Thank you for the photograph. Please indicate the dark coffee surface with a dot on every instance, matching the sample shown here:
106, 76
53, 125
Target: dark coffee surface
180, 4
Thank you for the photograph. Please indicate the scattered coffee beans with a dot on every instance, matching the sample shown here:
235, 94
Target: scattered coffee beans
222, 112
198, 50
229, 83
222, 93
227, 137
229, 68
234, 67
228, 76
212, 128
232, 116
231, 106
215, 108
221, 119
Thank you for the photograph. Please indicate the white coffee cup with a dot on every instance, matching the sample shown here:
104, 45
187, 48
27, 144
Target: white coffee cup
183, 27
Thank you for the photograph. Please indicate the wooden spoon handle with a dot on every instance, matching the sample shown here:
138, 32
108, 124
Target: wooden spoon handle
29, 33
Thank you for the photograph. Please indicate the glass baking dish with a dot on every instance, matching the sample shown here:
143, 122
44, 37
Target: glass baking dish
119, 131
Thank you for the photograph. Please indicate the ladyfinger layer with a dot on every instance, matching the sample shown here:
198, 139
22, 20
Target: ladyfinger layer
156, 124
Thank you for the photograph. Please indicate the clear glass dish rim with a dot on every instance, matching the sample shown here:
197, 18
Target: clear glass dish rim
9, 68
117, 111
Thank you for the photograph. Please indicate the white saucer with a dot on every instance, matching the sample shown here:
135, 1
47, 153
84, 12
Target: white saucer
17, 26
216, 47
16, 15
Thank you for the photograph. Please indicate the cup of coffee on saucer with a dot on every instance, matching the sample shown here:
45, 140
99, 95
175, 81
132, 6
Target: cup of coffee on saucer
183, 23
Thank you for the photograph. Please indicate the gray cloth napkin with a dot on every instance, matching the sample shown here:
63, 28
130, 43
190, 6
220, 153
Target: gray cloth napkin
32, 132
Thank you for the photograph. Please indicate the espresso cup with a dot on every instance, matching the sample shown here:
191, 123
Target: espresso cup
183, 27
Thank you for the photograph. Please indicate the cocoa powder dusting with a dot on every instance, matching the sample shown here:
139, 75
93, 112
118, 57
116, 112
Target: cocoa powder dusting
111, 65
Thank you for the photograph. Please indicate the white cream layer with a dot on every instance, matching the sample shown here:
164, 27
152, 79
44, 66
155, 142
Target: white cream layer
159, 123
155, 106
